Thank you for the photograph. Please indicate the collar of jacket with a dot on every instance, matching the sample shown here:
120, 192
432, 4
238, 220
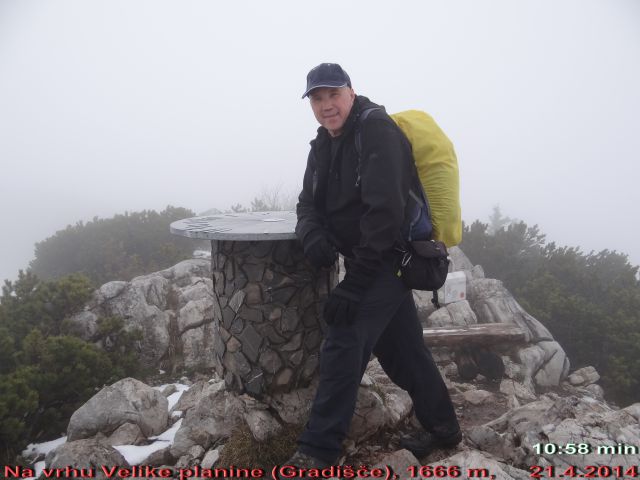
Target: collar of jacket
360, 103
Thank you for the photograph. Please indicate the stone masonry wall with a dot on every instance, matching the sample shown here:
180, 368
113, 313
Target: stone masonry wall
268, 337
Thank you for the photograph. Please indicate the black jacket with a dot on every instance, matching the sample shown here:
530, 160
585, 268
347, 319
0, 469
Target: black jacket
366, 220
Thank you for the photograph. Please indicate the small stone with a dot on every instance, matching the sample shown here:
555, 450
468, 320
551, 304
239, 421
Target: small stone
310, 319
269, 332
312, 340
251, 342
255, 384
584, 376
261, 249
184, 462
230, 271
270, 361
237, 363
169, 389
510, 387
227, 317
281, 295
284, 377
254, 294
290, 320
158, 458
477, 397
254, 272
310, 366
293, 344
252, 315
237, 326
233, 345
296, 358
275, 314
240, 280
210, 458
236, 300
196, 451
224, 334
219, 346
126, 434
262, 424
366, 381
281, 253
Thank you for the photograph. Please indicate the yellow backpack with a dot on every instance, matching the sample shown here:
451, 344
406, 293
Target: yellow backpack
437, 167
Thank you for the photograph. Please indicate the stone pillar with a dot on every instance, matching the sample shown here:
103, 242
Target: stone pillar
268, 335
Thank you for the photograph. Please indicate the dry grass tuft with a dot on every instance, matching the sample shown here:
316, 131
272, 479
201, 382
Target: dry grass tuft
242, 450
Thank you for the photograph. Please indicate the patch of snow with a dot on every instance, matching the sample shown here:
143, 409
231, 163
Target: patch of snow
136, 454
38, 468
170, 434
175, 396
43, 448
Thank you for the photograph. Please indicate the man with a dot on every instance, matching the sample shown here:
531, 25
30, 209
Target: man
355, 201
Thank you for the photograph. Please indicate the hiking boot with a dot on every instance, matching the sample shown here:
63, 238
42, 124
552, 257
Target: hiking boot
423, 443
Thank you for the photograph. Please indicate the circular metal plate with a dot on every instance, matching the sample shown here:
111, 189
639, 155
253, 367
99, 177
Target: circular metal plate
249, 226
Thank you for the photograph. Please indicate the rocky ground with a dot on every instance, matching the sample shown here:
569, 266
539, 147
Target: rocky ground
536, 415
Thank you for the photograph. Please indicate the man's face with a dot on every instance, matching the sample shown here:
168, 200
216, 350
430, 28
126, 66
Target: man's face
331, 106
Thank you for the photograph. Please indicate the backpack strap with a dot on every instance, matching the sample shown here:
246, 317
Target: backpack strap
362, 116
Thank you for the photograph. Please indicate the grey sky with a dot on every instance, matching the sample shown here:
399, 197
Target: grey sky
107, 106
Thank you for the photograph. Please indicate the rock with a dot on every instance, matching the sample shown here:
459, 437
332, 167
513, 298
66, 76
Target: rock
369, 416
169, 390
477, 397
459, 260
86, 454
126, 434
461, 313
493, 303
293, 407
84, 325
400, 461
471, 464
555, 366
440, 318
262, 424
487, 440
398, 405
190, 398
477, 272
210, 458
213, 418
159, 458
595, 390
196, 451
511, 387
584, 376
182, 294
126, 401
578, 420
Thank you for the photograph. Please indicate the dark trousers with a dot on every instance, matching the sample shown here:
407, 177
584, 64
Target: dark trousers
387, 324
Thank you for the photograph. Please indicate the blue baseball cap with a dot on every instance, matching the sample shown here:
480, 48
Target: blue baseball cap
326, 75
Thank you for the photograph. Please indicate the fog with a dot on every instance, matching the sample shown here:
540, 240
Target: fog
113, 106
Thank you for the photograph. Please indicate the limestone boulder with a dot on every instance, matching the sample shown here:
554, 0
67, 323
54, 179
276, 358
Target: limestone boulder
126, 401
584, 377
212, 419
86, 454
173, 309
576, 419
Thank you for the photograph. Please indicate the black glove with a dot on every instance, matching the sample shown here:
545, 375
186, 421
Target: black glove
344, 300
319, 250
